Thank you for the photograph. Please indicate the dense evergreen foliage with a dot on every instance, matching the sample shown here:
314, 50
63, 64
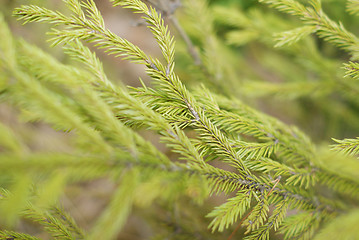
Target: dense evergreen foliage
278, 181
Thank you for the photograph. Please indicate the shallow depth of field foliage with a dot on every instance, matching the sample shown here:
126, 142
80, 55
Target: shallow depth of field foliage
244, 127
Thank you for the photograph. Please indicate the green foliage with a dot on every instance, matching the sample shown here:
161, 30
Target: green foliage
14, 235
353, 6
346, 146
228, 213
342, 227
113, 219
301, 225
280, 180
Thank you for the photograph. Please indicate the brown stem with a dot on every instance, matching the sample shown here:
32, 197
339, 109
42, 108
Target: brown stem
190, 46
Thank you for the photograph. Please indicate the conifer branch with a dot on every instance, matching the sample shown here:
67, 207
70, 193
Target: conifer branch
173, 86
105, 118
325, 27
6, 235
228, 213
353, 7
293, 36
352, 69
296, 226
273, 222
347, 146
258, 215
52, 225
68, 221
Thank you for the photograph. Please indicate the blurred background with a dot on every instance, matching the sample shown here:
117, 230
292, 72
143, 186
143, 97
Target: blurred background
232, 52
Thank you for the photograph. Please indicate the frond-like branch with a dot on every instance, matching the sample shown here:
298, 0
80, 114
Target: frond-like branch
228, 213
347, 146
325, 27
353, 7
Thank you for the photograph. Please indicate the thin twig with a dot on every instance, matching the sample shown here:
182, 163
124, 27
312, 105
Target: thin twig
190, 46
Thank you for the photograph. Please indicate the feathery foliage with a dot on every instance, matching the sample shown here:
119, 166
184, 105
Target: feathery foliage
276, 178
